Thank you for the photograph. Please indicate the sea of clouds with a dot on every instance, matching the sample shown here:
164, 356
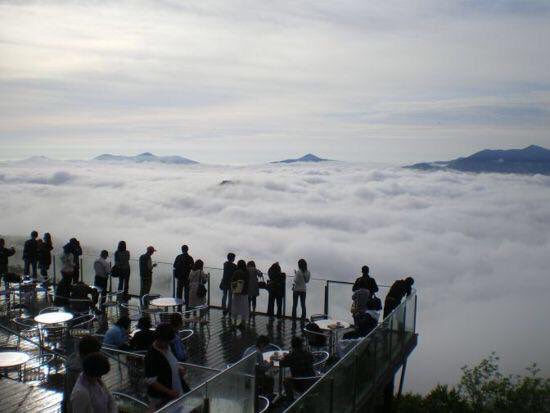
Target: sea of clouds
477, 245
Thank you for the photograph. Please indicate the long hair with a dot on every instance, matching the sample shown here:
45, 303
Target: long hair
121, 246
302, 265
199, 265
48, 238
241, 265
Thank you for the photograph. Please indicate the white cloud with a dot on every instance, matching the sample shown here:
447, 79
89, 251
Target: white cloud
477, 244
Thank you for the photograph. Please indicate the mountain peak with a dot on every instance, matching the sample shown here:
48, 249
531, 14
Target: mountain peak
309, 157
146, 157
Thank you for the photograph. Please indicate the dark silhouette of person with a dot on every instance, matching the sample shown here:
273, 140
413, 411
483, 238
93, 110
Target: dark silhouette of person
30, 254
398, 290
5, 253
144, 337
102, 270
45, 256
276, 289
63, 290
183, 264
300, 362
229, 267
146, 271
365, 281
122, 268
82, 291
74, 248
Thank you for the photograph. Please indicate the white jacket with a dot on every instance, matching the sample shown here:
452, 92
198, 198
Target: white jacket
300, 280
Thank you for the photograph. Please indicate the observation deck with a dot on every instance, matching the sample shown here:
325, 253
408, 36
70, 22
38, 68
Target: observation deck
359, 375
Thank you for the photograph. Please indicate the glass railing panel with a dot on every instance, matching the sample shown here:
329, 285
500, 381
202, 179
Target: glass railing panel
314, 297
215, 280
344, 384
317, 399
192, 401
233, 391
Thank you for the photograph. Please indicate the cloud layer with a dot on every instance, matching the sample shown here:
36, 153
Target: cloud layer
477, 244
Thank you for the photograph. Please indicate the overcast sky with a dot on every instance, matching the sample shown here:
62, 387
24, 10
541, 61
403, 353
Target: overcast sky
254, 81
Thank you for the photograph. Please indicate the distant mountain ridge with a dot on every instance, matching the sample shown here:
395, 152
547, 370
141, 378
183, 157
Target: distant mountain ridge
146, 157
530, 160
306, 158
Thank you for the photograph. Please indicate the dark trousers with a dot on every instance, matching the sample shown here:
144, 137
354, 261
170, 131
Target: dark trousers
44, 270
295, 296
182, 291
123, 281
252, 303
28, 264
271, 305
226, 302
390, 304
101, 282
145, 287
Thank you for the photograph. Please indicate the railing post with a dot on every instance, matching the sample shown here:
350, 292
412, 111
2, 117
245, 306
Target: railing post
415, 310
326, 297
284, 299
174, 286
208, 297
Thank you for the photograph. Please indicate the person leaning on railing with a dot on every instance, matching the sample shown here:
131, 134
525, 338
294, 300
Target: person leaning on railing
398, 290
163, 375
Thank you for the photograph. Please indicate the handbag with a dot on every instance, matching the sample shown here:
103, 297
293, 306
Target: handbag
237, 287
201, 291
115, 271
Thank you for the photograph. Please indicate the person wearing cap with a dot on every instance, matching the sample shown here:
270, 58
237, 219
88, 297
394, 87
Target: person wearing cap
146, 271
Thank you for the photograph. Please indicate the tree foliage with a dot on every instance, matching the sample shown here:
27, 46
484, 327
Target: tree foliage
484, 389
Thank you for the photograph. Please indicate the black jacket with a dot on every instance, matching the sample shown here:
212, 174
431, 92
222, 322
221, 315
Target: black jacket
183, 265
276, 282
398, 290
157, 366
367, 282
228, 269
45, 255
30, 250
142, 340
300, 363
4, 254
63, 292
144, 270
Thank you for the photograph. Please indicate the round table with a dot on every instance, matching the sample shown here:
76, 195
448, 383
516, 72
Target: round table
10, 359
330, 324
166, 302
268, 354
55, 317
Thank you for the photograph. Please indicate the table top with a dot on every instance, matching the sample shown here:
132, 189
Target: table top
166, 302
54, 317
135, 331
13, 358
267, 356
331, 324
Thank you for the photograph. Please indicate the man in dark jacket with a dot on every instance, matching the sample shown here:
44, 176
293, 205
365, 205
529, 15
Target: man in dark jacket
300, 362
183, 265
5, 253
229, 268
82, 291
398, 290
30, 254
365, 282
146, 271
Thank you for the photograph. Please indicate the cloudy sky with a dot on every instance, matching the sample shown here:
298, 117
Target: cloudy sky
477, 245
252, 81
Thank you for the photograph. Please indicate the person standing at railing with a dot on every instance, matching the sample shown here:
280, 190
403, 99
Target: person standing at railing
102, 270
398, 290
183, 265
197, 286
146, 266
229, 268
30, 254
239, 288
253, 287
76, 250
5, 253
121, 268
276, 289
45, 256
365, 281
301, 278
67, 263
